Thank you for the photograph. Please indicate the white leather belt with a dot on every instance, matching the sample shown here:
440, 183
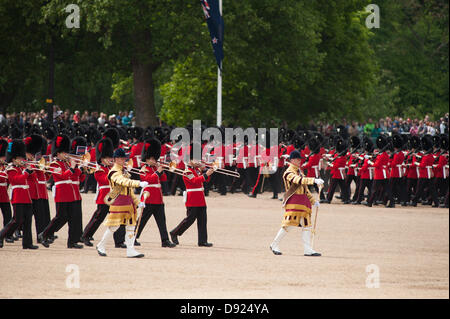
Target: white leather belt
400, 170
4, 184
340, 171
316, 170
154, 185
429, 171
103, 187
194, 190
76, 182
20, 186
371, 169
42, 182
62, 182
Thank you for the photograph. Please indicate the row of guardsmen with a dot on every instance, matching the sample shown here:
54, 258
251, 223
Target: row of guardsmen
399, 168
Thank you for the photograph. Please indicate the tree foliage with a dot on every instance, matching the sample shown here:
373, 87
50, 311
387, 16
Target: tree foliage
287, 61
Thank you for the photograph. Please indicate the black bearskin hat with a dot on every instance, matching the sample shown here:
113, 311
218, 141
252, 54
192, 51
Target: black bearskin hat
314, 145
355, 142
397, 141
104, 148
49, 133
61, 144
382, 142
341, 145
427, 142
113, 134
33, 144
77, 141
298, 142
368, 144
138, 132
16, 148
436, 141
414, 142
152, 148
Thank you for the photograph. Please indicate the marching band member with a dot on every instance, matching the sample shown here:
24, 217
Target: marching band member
104, 155
194, 200
380, 163
366, 171
154, 204
297, 203
312, 166
411, 168
441, 169
5, 204
78, 141
20, 197
395, 179
426, 173
123, 205
64, 194
338, 173
33, 145
352, 167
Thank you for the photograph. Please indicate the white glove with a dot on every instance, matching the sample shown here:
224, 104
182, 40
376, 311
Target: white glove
143, 184
141, 205
316, 204
366, 156
318, 181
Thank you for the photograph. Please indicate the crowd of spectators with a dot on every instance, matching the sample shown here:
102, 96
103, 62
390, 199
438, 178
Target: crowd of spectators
371, 128
122, 118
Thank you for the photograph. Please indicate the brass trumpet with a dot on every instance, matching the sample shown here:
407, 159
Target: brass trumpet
41, 165
171, 167
216, 167
83, 161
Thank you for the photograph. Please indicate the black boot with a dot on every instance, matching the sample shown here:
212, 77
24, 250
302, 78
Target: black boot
167, 243
74, 245
42, 240
174, 238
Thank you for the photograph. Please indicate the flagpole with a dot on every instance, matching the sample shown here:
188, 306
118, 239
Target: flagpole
219, 85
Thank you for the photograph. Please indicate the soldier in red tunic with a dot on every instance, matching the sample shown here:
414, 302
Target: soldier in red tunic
380, 162
396, 186
104, 155
154, 204
20, 197
4, 197
426, 173
194, 200
63, 193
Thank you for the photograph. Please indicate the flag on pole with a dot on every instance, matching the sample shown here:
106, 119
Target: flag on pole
215, 25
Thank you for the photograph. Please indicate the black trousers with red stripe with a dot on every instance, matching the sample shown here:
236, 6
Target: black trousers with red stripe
378, 190
160, 218
194, 213
396, 187
422, 185
363, 184
6, 212
348, 182
97, 219
66, 212
23, 215
333, 184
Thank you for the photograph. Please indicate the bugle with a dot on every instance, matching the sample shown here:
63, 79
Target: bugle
216, 167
